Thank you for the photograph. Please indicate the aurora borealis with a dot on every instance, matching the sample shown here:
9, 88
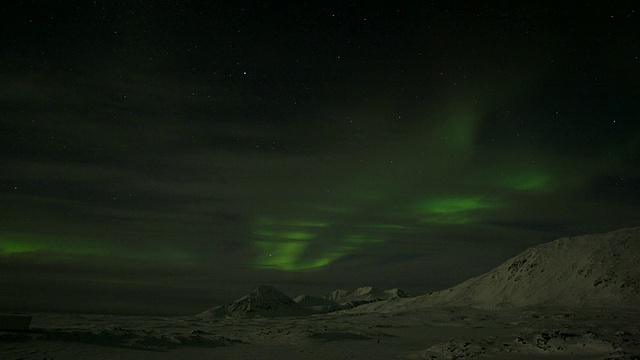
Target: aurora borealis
161, 157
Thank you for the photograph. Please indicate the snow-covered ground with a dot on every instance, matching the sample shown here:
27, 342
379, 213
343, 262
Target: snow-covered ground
427, 333
574, 298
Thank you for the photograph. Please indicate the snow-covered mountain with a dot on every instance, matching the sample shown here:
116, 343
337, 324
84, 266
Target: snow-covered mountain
265, 301
601, 270
335, 295
364, 291
394, 293
308, 301
318, 305
365, 294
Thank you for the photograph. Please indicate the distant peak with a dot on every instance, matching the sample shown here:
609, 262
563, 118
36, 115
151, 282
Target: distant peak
265, 289
365, 290
264, 301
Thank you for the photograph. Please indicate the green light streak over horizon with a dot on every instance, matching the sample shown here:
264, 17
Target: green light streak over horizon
302, 244
10, 247
454, 210
361, 239
55, 247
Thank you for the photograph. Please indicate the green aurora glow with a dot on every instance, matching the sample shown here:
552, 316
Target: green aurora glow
168, 146
287, 245
455, 209
527, 180
80, 249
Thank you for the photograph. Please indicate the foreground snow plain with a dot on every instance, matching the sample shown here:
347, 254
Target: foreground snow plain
427, 333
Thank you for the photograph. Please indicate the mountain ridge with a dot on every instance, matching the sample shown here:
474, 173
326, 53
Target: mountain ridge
593, 270
264, 301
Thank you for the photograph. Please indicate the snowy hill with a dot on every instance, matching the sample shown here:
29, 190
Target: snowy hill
335, 295
341, 299
318, 305
362, 295
369, 294
308, 300
395, 294
592, 270
265, 301
364, 292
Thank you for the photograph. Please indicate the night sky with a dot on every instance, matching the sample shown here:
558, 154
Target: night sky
165, 157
